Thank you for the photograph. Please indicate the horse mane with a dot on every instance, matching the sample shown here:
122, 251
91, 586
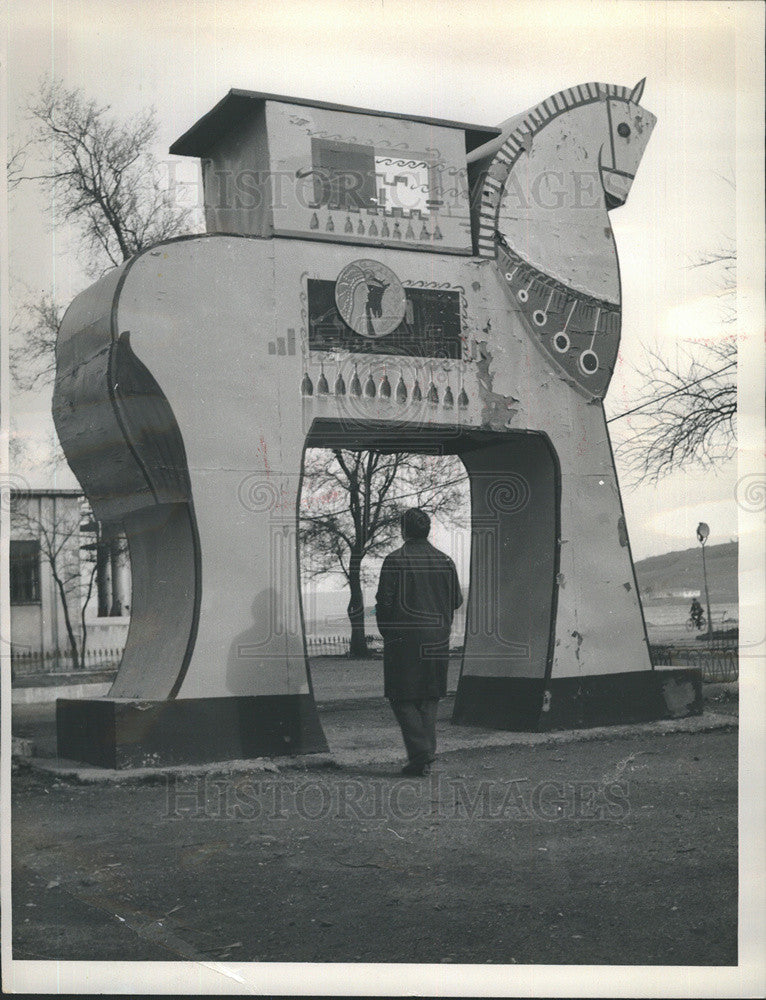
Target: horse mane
518, 141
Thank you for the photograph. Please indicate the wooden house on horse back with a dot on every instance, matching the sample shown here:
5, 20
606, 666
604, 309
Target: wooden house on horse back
367, 280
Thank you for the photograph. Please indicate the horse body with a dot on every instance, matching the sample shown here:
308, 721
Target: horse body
188, 379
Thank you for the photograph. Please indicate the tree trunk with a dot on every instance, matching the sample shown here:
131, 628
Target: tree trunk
358, 646
78, 654
83, 606
102, 576
116, 609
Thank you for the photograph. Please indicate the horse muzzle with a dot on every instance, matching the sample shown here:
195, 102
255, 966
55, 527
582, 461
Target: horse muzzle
616, 184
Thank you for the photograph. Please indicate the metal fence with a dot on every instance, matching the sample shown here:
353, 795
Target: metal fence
34, 662
719, 662
337, 645
340, 645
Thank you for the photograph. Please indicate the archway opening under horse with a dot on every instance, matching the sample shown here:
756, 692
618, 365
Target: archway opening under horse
350, 507
504, 540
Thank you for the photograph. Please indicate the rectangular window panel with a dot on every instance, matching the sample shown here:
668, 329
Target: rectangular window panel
430, 329
25, 572
344, 175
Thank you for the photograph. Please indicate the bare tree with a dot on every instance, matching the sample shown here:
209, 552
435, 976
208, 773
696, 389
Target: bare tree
14, 173
351, 504
59, 537
686, 411
690, 413
32, 358
723, 262
108, 187
104, 175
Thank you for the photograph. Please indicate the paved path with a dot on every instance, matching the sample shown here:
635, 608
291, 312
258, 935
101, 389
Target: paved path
362, 731
605, 846
607, 851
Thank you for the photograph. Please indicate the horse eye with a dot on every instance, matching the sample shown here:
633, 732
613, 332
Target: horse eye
623, 129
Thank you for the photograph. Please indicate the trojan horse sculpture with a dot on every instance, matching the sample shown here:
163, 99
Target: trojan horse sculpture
378, 281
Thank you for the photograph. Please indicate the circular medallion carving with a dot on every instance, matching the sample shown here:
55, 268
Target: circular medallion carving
370, 298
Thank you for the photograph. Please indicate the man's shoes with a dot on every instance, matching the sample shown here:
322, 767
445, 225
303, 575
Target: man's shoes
416, 770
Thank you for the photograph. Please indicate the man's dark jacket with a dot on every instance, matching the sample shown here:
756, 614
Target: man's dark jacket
417, 596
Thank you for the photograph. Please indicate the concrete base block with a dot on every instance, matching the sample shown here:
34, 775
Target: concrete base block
126, 734
524, 704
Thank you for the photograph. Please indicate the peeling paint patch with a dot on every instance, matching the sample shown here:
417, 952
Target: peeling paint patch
576, 635
498, 414
622, 531
497, 411
560, 580
476, 285
680, 697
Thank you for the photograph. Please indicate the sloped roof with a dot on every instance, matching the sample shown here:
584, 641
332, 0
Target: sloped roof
204, 134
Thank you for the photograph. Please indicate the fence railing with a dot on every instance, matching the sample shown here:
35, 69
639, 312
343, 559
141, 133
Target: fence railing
337, 645
28, 662
718, 662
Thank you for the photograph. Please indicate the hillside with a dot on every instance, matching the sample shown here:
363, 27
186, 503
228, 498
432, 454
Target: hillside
665, 579
676, 574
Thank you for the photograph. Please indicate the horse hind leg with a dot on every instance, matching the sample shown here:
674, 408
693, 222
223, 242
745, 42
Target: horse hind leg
122, 441
164, 559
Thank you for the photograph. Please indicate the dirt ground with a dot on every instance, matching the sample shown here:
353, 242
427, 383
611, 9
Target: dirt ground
619, 851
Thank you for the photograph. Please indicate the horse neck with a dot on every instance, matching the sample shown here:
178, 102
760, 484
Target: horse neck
553, 213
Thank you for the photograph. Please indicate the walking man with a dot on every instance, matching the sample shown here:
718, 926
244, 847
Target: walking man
418, 593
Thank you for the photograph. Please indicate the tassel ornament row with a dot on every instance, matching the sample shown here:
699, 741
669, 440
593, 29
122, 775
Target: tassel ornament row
384, 390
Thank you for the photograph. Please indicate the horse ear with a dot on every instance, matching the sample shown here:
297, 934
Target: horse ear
638, 90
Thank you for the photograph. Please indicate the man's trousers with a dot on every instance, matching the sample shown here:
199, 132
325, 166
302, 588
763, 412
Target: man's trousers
417, 720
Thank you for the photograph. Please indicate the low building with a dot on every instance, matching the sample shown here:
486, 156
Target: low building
65, 579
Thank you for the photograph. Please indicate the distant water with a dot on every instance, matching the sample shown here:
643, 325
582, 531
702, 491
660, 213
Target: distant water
661, 615
666, 623
326, 615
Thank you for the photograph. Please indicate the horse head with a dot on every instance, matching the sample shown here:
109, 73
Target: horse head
546, 186
629, 127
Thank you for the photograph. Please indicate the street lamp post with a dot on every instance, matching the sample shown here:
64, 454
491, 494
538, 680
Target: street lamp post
702, 535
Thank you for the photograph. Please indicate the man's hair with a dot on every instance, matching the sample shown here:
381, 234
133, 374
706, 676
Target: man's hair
415, 523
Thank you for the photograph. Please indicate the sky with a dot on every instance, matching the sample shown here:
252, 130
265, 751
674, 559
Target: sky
480, 62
